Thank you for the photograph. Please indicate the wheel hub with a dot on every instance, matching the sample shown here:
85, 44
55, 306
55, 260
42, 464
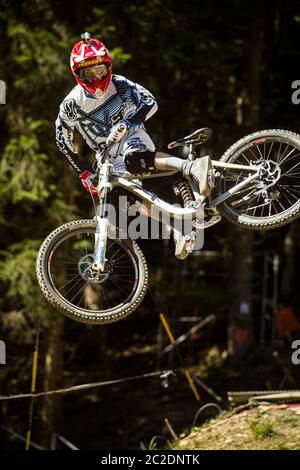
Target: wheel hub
86, 271
270, 173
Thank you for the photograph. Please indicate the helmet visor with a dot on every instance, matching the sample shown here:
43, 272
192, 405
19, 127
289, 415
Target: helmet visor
90, 74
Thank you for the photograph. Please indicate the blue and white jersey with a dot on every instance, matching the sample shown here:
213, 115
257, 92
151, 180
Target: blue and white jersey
93, 117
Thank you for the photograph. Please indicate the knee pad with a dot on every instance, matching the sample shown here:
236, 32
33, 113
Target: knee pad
139, 161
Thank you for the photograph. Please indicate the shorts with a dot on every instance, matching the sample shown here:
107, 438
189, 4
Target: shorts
137, 137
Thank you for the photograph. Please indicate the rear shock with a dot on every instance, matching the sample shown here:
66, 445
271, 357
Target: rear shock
182, 188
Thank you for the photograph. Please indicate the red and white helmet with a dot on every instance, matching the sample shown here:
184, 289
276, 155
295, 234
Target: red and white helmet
91, 65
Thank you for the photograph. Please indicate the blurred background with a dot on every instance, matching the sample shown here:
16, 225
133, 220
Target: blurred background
226, 65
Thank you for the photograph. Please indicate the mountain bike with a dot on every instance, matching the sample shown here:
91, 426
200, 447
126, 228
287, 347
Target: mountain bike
94, 273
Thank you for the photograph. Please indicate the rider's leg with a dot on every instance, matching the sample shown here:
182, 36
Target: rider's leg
196, 169
179, 239
140, 156
163, 161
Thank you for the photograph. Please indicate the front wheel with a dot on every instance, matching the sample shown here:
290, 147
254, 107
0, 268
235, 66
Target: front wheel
66, 278
272, 200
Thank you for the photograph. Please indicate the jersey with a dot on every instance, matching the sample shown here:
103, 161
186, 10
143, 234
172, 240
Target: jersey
93, 117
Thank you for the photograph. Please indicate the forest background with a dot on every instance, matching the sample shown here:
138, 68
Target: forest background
226, 65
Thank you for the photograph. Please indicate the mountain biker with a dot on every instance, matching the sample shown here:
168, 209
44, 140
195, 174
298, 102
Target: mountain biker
109, 109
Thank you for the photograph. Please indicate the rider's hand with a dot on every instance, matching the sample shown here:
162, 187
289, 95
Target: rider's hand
117, 132
88, 180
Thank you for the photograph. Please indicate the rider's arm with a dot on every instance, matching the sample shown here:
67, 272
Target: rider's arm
146, 104
64, 138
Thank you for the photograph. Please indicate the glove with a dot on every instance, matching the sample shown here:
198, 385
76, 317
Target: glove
88, 180
117, 132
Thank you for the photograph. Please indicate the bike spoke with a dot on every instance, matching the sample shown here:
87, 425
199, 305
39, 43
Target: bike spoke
115, 284
74, 277
274, 205
294, 176
115, 254
287, 156
269, 153
72, 287
248, 161
104, 296
262, 156
279, 203
114, 260
251, 151
257, 207
270, 209
121, 279
121, 265
244, 199
291, 188
285, 190
278, 154
78, 292
81, 299
290, 170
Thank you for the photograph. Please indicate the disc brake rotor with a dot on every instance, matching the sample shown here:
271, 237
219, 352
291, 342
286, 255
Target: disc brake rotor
270, 173
86, 271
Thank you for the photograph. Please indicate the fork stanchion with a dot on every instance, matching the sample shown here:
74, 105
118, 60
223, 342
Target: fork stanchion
172, 341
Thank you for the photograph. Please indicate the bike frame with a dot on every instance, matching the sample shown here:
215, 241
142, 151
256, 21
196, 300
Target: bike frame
108, 180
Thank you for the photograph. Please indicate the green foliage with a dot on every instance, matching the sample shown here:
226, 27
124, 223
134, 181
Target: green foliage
119, 56
262, 430
36, 53
17, 270
23, 167
101, 22
151, 446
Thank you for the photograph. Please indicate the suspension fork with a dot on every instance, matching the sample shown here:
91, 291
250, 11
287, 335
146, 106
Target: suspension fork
102, 219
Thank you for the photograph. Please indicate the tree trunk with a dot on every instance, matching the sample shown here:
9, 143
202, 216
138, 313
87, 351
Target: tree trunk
240, 333
291, 247
240, 327
52, 411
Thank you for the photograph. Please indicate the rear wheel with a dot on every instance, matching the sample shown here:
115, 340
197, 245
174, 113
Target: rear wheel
272, 200
65, 274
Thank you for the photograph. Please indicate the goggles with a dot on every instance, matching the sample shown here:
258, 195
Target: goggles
94, 73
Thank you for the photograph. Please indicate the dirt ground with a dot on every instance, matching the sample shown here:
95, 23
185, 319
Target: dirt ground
263, 428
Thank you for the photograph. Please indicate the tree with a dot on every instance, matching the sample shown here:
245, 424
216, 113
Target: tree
241, 336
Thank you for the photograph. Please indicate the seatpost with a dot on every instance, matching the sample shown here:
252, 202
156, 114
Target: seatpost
192, 152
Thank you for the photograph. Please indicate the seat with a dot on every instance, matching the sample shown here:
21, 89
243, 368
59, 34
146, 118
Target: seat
198, 137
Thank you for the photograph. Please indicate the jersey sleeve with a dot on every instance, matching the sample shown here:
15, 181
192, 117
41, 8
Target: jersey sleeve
146, 104
65, 124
